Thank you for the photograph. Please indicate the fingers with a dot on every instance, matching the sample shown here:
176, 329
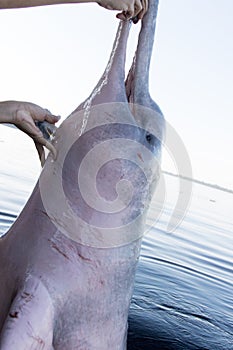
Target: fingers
135, 11
52, 118
138, 7
121, 16
144, 9
44, 115
42, 142
41, 152
128, 12
39, 114
25, 122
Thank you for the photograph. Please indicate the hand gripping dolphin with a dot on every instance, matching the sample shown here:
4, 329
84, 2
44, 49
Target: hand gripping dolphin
67, 264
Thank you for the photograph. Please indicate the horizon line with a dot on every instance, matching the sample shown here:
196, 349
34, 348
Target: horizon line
203, 183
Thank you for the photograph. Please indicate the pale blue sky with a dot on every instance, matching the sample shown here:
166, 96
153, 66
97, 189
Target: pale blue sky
55, 55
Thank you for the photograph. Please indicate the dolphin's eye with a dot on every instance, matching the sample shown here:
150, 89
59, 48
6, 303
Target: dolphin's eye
149, 137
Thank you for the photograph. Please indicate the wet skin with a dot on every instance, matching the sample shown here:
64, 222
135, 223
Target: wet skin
68, 285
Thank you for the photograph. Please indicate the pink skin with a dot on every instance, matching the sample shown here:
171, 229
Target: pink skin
57, 293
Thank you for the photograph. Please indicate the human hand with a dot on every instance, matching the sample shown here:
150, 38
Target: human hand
25, 118
129, 8
141, 14
24, 115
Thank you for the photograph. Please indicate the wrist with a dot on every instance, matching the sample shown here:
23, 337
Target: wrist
8, 111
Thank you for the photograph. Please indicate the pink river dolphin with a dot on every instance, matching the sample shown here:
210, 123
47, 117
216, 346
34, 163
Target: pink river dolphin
67, 264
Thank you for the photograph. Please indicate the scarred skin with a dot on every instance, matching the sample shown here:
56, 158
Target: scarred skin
61, 293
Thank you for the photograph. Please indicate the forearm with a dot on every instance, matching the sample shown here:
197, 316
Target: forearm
4, 4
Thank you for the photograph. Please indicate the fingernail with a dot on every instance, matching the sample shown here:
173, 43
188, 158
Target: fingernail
54, 153
52, 149
42, 160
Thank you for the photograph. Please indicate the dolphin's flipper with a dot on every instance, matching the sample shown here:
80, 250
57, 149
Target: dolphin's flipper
29, 324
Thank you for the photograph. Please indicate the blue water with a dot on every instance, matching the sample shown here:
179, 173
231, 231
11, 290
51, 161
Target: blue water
183, 289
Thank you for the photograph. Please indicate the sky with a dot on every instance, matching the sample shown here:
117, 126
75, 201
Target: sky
55, 55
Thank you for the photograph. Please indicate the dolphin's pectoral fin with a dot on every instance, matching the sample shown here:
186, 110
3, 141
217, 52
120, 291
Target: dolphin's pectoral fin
29, 324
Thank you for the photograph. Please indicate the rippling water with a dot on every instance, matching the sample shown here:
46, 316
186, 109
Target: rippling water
183, 289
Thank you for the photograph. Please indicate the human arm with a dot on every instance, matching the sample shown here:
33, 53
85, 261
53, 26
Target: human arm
128, 8
24, 115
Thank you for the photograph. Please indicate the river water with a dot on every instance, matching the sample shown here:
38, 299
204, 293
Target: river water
183, 288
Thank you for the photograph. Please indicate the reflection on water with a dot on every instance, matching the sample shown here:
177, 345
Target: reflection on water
183, 289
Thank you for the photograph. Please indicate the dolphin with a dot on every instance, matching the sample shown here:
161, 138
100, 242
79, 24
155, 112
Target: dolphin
68, 262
